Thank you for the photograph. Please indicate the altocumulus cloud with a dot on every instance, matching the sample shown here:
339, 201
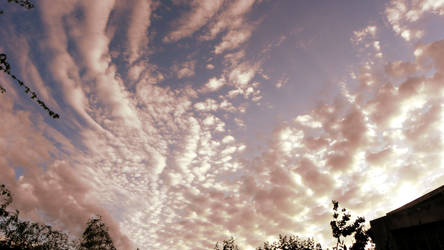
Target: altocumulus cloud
153, 144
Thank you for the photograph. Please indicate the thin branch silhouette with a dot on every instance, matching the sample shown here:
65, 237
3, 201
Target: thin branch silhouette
24, 3
5, 67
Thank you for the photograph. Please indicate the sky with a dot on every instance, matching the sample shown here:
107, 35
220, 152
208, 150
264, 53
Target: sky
183, 123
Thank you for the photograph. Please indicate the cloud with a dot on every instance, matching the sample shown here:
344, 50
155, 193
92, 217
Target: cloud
61, 64
234, 58
137, 31
231, 17
281, 82
360, 35
232, 20
400, 69
344, 150
233, 39
185, 69
208, 105
213, 84
90, 36
308, 121
402, 14
200, 14
58, 193
240, 78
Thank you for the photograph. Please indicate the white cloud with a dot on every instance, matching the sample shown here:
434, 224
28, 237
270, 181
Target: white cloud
233, 21
233, 39
359, 36
208, 105
401, 14
213, 84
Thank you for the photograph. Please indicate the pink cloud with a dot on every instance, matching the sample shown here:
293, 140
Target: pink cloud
140, 22
213, 84
201, 13
402, 14
233, 21
185, 69
59, 191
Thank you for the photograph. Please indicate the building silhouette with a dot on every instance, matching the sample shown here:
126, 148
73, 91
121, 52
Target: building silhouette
418, 225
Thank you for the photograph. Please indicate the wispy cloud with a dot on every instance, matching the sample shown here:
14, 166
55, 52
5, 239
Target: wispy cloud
138, 28
200, 14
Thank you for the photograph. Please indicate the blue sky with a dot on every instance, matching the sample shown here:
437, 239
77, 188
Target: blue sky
187, 122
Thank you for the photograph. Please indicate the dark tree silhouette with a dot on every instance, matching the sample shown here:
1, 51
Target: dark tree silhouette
227, 245
291, 242
19, 234
96, 236
342, 228
6, 68
285, 242
5, 197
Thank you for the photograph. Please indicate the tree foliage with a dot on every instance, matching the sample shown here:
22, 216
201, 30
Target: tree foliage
96, 236
24, 3
19, 234
285, 242
342, 228
291, 242
227, 245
